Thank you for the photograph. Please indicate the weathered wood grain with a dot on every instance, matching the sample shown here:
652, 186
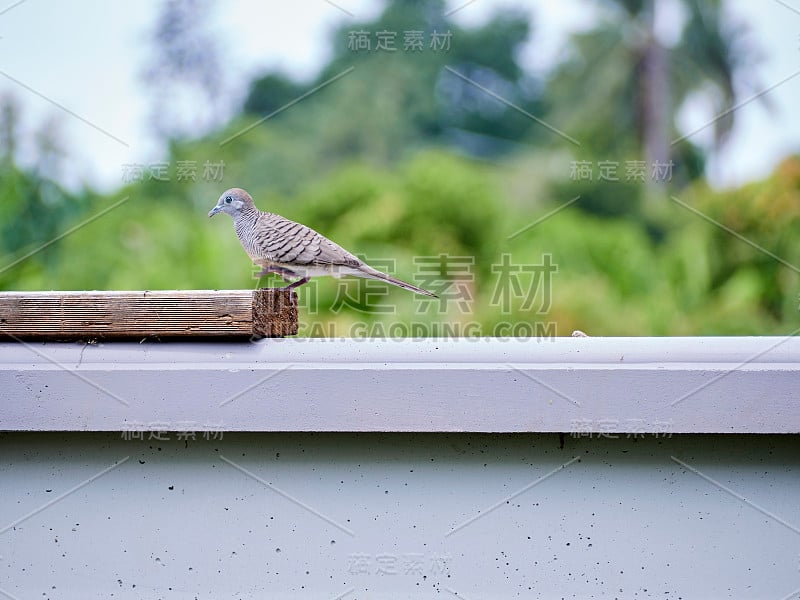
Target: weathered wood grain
274, 313
162, 313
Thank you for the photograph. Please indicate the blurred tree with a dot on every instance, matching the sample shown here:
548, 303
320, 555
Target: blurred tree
185, 72
638, 85
49, 149
714, 59
35, 209
400, 97
488, 56
9, 124
271, 92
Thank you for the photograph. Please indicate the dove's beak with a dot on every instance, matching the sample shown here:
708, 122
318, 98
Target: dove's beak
214, 210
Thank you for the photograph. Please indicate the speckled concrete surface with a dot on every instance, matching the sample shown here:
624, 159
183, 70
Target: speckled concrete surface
356, 516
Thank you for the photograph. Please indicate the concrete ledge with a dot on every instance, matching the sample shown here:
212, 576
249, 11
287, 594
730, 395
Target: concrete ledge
584, 385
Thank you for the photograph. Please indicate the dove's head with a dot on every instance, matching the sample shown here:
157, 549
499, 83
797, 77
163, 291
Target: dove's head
232, 201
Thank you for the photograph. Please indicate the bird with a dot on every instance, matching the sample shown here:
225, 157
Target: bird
293, 250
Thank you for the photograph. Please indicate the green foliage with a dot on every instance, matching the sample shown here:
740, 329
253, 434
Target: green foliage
450, 205
34, 211
767, 214
612, 278
379, 161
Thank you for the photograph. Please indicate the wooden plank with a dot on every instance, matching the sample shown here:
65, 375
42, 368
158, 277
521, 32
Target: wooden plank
274, 313
161, 313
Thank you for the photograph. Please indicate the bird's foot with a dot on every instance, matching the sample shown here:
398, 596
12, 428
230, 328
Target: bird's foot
297, 283
285, 273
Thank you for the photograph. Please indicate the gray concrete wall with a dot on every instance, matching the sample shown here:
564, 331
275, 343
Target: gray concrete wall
355, 516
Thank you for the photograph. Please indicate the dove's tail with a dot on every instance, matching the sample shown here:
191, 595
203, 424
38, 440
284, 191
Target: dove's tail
370, 273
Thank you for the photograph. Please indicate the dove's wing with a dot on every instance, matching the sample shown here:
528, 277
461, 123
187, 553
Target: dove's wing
281, 241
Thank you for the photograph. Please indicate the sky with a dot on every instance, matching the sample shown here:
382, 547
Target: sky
76, 66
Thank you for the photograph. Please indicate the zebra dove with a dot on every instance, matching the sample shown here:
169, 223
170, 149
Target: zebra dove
290, 249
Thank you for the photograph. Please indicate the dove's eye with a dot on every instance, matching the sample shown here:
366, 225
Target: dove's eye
228, 200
